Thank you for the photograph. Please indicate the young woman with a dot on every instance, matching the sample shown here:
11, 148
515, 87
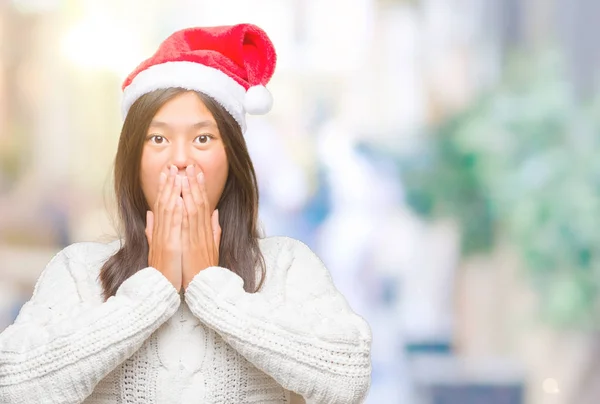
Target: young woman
190, 305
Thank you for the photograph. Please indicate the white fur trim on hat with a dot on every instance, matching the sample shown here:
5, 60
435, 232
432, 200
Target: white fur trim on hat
192, 76
258, 100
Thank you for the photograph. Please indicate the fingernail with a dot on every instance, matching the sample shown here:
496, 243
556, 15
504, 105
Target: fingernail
186, 182
163, 177
200, 177
173, 170
190, 170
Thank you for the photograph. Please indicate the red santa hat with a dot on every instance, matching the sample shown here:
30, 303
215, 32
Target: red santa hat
231, 64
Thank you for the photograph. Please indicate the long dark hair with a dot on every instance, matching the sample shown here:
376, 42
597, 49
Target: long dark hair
238, 206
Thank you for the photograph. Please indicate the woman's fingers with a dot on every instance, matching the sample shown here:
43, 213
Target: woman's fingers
149, 234
170, 219
149, 226
193, 181
163, 228
216, 229
166, 183
162, 201
206, 215
198, 220
190, 221
197, 197
177, 219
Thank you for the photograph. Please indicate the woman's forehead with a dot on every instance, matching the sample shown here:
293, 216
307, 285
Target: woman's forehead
187, 111
156, 123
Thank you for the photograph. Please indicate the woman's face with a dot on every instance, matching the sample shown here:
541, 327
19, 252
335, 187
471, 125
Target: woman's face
183, 132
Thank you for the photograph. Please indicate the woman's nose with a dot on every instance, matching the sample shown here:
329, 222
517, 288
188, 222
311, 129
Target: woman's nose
181, 158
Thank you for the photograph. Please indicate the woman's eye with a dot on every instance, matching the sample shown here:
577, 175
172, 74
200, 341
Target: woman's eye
204, 138
157, 139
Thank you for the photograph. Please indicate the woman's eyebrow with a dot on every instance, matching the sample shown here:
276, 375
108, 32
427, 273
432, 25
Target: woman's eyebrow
197, 125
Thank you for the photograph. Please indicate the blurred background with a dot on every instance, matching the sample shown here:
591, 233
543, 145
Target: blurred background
440, 156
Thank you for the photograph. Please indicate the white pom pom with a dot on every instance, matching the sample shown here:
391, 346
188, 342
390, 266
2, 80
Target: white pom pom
258, 100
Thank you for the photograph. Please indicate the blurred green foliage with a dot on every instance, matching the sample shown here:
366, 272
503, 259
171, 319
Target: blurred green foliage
523, 163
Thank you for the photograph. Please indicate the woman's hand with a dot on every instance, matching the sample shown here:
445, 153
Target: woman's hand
163, 229
201, 232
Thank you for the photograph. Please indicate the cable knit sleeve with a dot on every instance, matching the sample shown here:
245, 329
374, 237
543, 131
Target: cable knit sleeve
298, 329
62, 343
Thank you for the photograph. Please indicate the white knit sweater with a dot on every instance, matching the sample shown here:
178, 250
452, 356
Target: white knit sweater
214, 344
